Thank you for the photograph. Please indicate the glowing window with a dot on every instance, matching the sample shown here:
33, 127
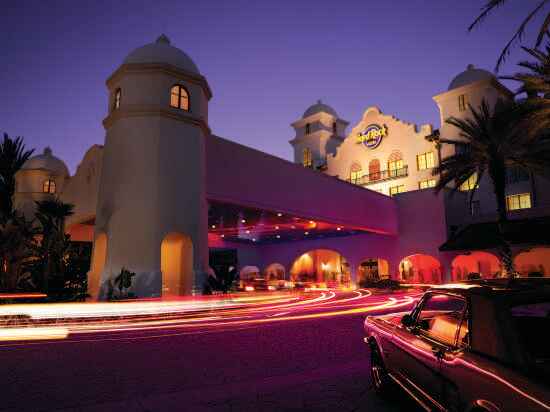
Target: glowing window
308, 128
397, 189
469, 184
394, 166
116, 99
307, 158
48, 186
517, 202
462, 102
425, 184
179, 98
355, 174
425, 161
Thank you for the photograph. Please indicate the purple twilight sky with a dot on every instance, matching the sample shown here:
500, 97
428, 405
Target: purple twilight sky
266, 62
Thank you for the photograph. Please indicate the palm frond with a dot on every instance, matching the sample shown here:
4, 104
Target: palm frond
518, 35
485, 11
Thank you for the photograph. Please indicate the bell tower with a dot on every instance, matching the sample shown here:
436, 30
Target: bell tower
151, 214
318, 133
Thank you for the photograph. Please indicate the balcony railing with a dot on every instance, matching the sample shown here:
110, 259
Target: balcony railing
380, 176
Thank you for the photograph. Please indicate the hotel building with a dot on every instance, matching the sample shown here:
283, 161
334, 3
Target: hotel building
170, 200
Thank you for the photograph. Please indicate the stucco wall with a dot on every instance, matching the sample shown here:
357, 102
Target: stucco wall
244, 176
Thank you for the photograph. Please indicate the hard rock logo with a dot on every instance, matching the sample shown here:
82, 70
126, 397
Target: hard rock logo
372, 136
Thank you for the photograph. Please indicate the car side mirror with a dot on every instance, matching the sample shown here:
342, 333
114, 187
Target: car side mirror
407, 320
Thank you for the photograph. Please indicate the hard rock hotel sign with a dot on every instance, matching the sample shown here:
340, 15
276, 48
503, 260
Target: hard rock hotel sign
372, 136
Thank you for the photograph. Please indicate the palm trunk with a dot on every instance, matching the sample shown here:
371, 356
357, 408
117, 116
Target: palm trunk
498, 175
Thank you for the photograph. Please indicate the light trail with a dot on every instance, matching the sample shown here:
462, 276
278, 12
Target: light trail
192, 315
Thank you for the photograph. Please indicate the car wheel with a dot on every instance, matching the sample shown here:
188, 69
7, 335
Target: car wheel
380, 378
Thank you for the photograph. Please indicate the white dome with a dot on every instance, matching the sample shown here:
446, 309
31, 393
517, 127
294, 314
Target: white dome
318, 108
162, 52
470, 75
47, 161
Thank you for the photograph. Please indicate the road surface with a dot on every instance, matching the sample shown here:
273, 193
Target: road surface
271, 352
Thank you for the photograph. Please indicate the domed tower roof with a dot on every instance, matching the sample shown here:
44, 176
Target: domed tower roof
318, 108
161, 51
47, 161
470, 75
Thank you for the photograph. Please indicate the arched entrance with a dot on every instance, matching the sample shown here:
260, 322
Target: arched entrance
176, 264
533, 262
322, 268
372, 270
99, 257
274, 272
420, 268
485, 264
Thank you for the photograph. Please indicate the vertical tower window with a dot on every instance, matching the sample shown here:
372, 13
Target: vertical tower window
48, 186
307, 158
334, 127
179, 98
116, 99
462, 102
308, 128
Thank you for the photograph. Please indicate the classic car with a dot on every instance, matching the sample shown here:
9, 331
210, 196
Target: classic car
481, 345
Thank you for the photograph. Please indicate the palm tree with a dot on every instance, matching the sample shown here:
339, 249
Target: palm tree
489, 142
12, 157
16, 240
51, 215
535, 83
491, 5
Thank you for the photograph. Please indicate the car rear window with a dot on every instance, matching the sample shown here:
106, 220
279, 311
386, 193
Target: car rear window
532, 324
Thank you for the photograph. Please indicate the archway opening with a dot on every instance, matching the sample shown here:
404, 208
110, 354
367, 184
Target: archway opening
176, 264
372, 270
321, 268
475, 264
99, 257
420, 268
275, 273
533, 262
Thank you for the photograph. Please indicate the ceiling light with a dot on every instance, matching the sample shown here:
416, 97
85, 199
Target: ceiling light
213, 226
243, 221
279, 214
276, 227
338, 228
307, 233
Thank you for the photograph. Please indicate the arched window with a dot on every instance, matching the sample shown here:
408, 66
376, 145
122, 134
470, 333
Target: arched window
308, 128
374, 170
179, 98
48, 186
116, 99
355, 173
395, 164
307, 158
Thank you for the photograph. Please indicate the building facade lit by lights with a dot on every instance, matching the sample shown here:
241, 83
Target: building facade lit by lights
168, 199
